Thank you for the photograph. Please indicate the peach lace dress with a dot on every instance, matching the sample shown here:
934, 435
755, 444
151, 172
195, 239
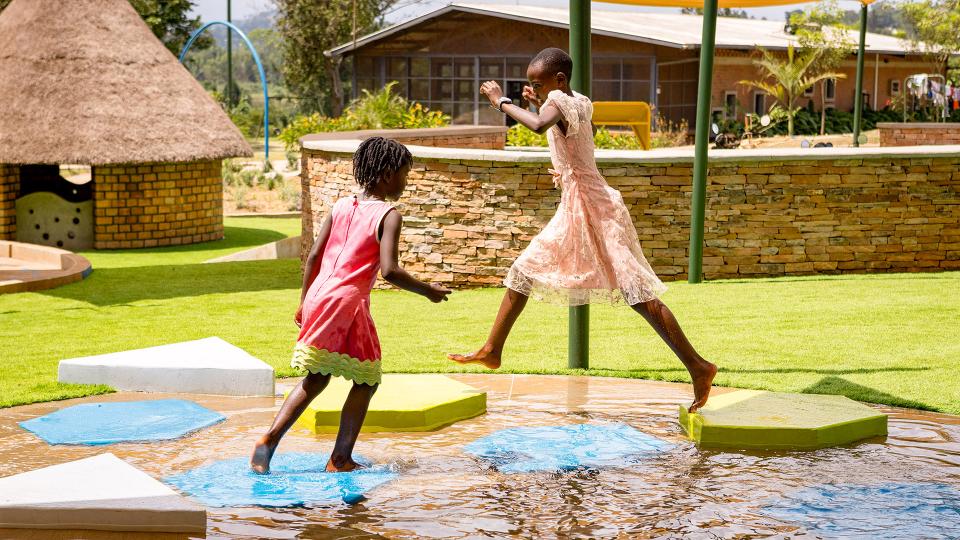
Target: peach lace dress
589, 251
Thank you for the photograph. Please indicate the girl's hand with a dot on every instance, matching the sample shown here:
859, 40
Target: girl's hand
298, 318
492, 90
436, 293
531, 96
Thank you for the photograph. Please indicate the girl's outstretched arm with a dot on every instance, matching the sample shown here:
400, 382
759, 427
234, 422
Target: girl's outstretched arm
390, 266
312, 266
539, 122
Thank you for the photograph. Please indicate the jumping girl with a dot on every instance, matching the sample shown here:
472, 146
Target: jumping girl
589, 250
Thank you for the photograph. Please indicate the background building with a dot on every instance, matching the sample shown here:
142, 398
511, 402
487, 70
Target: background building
441, 57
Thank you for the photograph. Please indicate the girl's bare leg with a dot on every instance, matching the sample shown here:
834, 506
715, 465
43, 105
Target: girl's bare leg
292, 408
351, 420
489, 355
702, 372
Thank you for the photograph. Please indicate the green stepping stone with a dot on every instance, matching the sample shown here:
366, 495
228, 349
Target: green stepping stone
778, 420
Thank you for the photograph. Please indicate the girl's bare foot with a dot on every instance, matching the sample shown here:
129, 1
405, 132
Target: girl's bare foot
262, 454
342, 465
485, 357
702, 375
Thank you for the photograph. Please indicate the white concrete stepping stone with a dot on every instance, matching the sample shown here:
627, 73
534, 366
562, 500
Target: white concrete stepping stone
101, 493
204, 366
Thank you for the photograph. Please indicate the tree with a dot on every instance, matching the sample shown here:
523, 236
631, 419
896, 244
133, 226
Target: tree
168, 19
932, 29
822, 28
786, 78
310, 28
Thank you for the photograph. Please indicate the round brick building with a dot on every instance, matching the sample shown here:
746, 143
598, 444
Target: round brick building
98, 88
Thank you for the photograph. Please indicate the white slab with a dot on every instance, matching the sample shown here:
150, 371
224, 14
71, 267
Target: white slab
99, 493
204, 366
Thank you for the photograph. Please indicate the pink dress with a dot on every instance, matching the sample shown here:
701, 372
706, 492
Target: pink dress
338, 336
589, 251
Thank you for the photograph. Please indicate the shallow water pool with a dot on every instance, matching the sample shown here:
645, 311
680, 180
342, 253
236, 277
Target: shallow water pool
441, 491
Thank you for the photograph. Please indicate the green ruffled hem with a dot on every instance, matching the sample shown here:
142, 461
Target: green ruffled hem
331, 363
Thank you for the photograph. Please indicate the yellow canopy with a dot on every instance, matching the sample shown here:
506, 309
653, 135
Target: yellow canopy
722, 3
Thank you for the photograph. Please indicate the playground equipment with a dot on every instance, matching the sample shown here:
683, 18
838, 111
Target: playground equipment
29, 267
776, 420
98, 493
263, 76
925, 90
203, 366
635, 114
403, 403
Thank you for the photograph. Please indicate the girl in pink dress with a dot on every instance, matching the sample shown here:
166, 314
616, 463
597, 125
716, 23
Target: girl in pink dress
589, 250
337, 336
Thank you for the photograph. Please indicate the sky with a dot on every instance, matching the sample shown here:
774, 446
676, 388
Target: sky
211, 10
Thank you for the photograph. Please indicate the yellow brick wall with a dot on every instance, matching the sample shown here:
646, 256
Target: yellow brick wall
466, 221
9, 188
157, 204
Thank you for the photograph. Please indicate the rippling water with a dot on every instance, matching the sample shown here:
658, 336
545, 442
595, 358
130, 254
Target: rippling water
442, 492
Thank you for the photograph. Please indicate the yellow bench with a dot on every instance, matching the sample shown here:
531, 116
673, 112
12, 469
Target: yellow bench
635, 114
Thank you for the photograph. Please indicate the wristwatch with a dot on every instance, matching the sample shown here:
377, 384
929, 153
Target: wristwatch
501, 101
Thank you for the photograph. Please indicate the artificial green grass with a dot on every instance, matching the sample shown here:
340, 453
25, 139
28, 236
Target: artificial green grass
880, 338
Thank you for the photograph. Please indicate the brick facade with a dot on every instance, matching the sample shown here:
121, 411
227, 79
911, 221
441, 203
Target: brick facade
466, 219
480, 137
157, 204
918, 134
9, 189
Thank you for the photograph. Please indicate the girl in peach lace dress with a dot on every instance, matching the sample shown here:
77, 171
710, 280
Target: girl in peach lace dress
589, 250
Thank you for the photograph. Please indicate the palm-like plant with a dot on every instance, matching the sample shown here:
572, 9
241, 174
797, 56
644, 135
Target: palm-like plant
786, 78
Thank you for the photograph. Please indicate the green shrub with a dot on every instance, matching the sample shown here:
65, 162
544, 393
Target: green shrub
674, 135
518, 135
379, 110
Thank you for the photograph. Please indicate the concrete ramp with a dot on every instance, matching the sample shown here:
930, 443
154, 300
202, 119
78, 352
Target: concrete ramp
204, 366
99, 493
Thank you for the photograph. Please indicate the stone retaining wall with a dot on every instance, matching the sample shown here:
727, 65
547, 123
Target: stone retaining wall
157, 204
9, 188
917, 134
483, 137
776, 212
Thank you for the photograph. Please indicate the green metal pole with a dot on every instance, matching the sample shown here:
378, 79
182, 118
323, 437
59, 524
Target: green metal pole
578, 352
699, 199
858, 98
229, 60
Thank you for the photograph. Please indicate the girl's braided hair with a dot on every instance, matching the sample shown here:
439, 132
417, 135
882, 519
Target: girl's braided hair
377, 157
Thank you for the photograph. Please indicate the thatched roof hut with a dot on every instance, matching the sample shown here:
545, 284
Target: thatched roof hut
86, 81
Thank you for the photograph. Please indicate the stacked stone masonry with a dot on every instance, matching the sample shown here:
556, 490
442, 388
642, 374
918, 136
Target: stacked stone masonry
157, 204
466, 221
919, 134
477, 137
9, 187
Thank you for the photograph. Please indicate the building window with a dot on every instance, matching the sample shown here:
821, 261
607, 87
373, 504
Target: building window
808, 92
730, 105
760, 103
894, 87
831, 90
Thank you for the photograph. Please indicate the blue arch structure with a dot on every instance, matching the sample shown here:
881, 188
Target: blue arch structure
263, 76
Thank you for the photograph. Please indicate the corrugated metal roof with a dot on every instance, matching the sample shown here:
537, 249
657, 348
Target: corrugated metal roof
667, 29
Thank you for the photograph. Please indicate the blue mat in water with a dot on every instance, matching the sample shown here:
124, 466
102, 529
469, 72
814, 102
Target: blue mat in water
560, 448
127, 421
891, 511
295, 479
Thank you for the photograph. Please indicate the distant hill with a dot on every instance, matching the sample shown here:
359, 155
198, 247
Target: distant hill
264, 19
